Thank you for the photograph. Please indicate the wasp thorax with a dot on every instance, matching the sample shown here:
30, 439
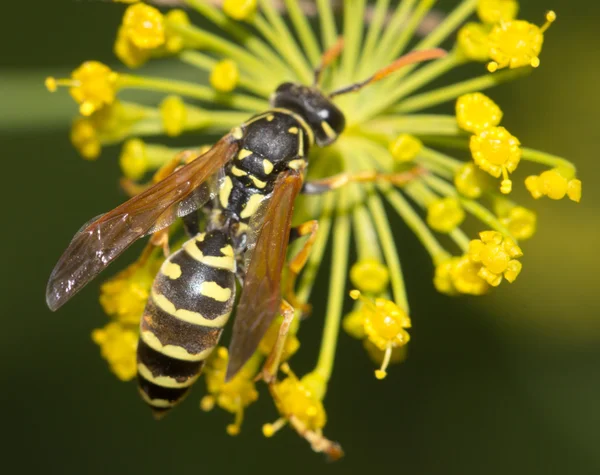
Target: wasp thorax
323, 117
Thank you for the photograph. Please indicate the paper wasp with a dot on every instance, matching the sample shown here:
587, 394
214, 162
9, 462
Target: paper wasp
246, 184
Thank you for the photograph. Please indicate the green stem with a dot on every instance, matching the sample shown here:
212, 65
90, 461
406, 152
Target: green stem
551, 160
414, 221
395, 88
354, 12
337, 286
391, 32
444, 94
387, 127
206, 63
328, 29
241, 34
456, 18
289, 48
304, 31
196, 91
373, 34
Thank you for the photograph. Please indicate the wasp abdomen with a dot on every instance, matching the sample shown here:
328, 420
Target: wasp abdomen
191, 300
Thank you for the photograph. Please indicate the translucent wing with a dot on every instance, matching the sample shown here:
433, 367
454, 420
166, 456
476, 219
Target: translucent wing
261, 294
101, 241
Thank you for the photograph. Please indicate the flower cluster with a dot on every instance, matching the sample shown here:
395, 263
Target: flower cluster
389, 138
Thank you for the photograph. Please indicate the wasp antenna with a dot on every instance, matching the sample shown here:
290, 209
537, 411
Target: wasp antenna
410, 58
329, 56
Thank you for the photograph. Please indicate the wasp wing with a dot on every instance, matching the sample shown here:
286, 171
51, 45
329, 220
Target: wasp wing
104, 239
261, 293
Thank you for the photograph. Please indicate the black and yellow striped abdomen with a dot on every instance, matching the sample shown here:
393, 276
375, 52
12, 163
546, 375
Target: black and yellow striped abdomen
191, 300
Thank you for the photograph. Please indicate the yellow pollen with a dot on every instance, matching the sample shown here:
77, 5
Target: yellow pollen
239, 9
144, 26
496, 253
370, 275
517, 43
497, 152
554, 185
173, 113
445, 214
405, 148
476, 112
496, 11
225, 76
93, 86
473, 42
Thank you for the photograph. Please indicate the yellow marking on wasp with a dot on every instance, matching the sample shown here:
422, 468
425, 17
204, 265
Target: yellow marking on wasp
298, 164
237, 133
300, 120
267, 166
270, 117
258, 183
227, 251
215, 291
188, 316
244, 153
237, 172
171, 270
251, 205
173, 351
164, 381
225, 191
293, 130
200, 237
162, 403
226, 262
328, 130
301, 144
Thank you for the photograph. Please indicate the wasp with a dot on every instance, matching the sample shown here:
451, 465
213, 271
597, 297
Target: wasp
246, 185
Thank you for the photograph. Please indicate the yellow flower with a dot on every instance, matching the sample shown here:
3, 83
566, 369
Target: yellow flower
465, 276
470, 181
174, 41
377, 356
496, 11
497, 152
520, 221
131, 55
370, 275
476, 112
554, 185
517, 43
297, 399
239, 9
385, 326
93, 85
354, 324
497, 254
224, 76
442, 279
234, 395
173, 113
118, 344
134, 159
124, 296
405, 148
84, 138
473, 42
445, 214
144, 26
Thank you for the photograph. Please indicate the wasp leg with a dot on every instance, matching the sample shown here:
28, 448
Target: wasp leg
161, 239
337, 181
268, 373
299, 261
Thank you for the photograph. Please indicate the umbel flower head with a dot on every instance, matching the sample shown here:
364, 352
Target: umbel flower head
390, 153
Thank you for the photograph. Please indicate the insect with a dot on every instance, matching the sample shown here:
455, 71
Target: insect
246, 184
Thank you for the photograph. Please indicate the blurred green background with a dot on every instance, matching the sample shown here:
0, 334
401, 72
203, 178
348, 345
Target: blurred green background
506, 383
